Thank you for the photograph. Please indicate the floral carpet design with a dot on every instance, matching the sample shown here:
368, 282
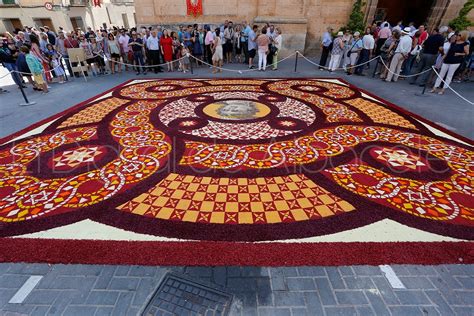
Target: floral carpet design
237, 160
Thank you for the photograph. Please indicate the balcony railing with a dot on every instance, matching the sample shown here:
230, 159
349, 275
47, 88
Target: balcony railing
122, 1
78, 3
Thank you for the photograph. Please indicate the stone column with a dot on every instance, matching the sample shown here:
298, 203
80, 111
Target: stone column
437, 12
289, 15
293, 29
370, 8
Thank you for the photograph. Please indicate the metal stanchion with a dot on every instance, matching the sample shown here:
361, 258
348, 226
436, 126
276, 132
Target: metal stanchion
73, 74
24, 97
376, 66
424, 89
64, 68
191, 64
82, 69
296, 60
422, 94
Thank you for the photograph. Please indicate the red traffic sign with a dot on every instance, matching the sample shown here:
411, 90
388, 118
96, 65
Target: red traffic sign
48, 6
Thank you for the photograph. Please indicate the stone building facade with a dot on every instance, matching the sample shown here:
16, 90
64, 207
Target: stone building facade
302, 21
68, 14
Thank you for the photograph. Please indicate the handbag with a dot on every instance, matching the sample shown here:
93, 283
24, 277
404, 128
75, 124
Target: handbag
349, 52
273, 49
416, 50
331, 46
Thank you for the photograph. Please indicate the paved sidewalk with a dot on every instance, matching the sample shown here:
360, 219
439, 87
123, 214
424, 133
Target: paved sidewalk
357, 290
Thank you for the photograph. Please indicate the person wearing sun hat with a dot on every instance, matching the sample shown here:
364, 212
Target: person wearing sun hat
401, 53
336, 52
355, 49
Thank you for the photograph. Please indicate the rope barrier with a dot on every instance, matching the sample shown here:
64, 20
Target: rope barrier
8, 73
255, 69
449, 87
29, 73
403, 76
246, 70
437, 74
339, 68
144, 66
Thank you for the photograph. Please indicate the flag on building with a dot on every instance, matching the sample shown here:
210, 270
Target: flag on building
194, 7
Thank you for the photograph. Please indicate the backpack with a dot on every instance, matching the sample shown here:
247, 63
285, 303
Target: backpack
331, 46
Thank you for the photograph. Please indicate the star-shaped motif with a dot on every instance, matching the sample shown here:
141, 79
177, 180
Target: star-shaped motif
73, 158
187, 123
287, 123
399, 158
417, 197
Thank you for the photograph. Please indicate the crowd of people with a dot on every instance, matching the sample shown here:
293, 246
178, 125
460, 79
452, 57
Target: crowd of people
41, 55
403, 52
142, 50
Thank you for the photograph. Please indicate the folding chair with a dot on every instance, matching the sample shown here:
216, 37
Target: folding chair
78, 55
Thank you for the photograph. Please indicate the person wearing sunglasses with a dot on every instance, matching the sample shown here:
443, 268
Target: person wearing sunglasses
136, 44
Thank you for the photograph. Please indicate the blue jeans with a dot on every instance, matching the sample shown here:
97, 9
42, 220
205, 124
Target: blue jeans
16, 76
363, 57
138, 56
408, 65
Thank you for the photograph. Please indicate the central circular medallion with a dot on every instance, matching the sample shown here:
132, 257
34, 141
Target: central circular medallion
236, 110
231, 116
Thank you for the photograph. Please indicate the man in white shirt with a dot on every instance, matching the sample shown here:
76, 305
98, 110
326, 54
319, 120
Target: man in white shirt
252, 45
271, 32
325, 46
244, 40
368, 44
401, 53
271, 35
153, 47
124, 48
208, 40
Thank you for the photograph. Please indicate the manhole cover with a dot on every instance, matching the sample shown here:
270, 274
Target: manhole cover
178, 296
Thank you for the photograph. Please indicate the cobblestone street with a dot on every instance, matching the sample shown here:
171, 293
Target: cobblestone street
357, 290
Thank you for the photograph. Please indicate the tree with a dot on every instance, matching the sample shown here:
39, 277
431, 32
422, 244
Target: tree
356, 19
462, 22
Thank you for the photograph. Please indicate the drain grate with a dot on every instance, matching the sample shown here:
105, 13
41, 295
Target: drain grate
178, 296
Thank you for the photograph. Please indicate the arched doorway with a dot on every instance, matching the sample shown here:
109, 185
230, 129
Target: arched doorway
416, 11
431, 12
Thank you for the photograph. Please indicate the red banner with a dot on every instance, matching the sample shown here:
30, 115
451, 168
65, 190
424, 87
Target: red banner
194, 7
